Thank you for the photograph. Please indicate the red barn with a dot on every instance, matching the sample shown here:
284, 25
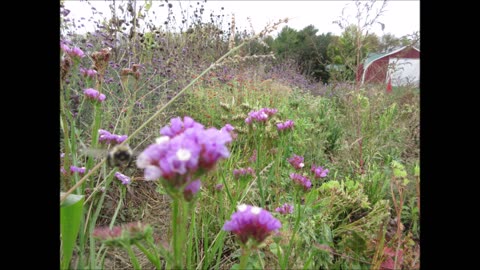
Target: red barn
401, 66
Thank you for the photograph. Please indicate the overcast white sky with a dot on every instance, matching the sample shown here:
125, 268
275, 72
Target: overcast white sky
401, 17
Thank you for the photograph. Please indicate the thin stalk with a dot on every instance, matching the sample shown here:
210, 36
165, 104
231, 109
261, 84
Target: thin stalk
133, 258
153, 258
295, 229
122, 195
244, 258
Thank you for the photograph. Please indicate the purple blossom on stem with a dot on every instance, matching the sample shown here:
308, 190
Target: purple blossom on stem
94, 94
177, 126
76, 52
297, 162
287, 125
219, 187
80, 170
107, 137
319, 171
185, 150
237, 173
285, 209
260, 115
253, 158
125, 179
191, 189
301, 180
90, 73
252, 222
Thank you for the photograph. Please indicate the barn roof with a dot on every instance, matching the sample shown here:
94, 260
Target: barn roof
372, 57
375, 56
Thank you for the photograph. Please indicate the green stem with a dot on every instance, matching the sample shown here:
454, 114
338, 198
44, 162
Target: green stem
133, 258
153, 258
244, 258
177, 226
122, 195
259, 181
295, 229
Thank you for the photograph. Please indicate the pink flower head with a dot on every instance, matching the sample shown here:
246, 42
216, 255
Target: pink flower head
107, 137
219, 187
319, 171
177, 126
191, 189
93, 94
80, 170
260, 115
237, 173
76, 52
301, 180
253, 158
90, 73
186, 148
252, 222
65, 48
285, 209
297, 162
287, 125
125, 179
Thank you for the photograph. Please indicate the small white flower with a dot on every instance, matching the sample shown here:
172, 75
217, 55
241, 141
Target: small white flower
183, 154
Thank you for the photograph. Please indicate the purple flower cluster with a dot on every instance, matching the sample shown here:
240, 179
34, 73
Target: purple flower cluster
285, 209
237, 173
72, 52
218, 187
252, 222
125, 179
88, 72
94, 94
119, 235
191, 189
296, 161
286, 125
301, 180
107, 137
319, 171
74, 169
260, 115
185, 150
253, 158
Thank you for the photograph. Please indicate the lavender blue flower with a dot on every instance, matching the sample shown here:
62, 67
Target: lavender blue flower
185, 150
287, 125
237, 173
301, 180
252, 222
191, 189
260, 115
80, 170
125, 179
107, 137
90, 73
285, 209
94, 94
297, 162
319, 171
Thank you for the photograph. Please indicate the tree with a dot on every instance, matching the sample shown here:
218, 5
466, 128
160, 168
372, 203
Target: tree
356, 33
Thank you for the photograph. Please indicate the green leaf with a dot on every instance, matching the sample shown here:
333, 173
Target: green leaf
416, 170
148, 5
71, 211
275, 248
